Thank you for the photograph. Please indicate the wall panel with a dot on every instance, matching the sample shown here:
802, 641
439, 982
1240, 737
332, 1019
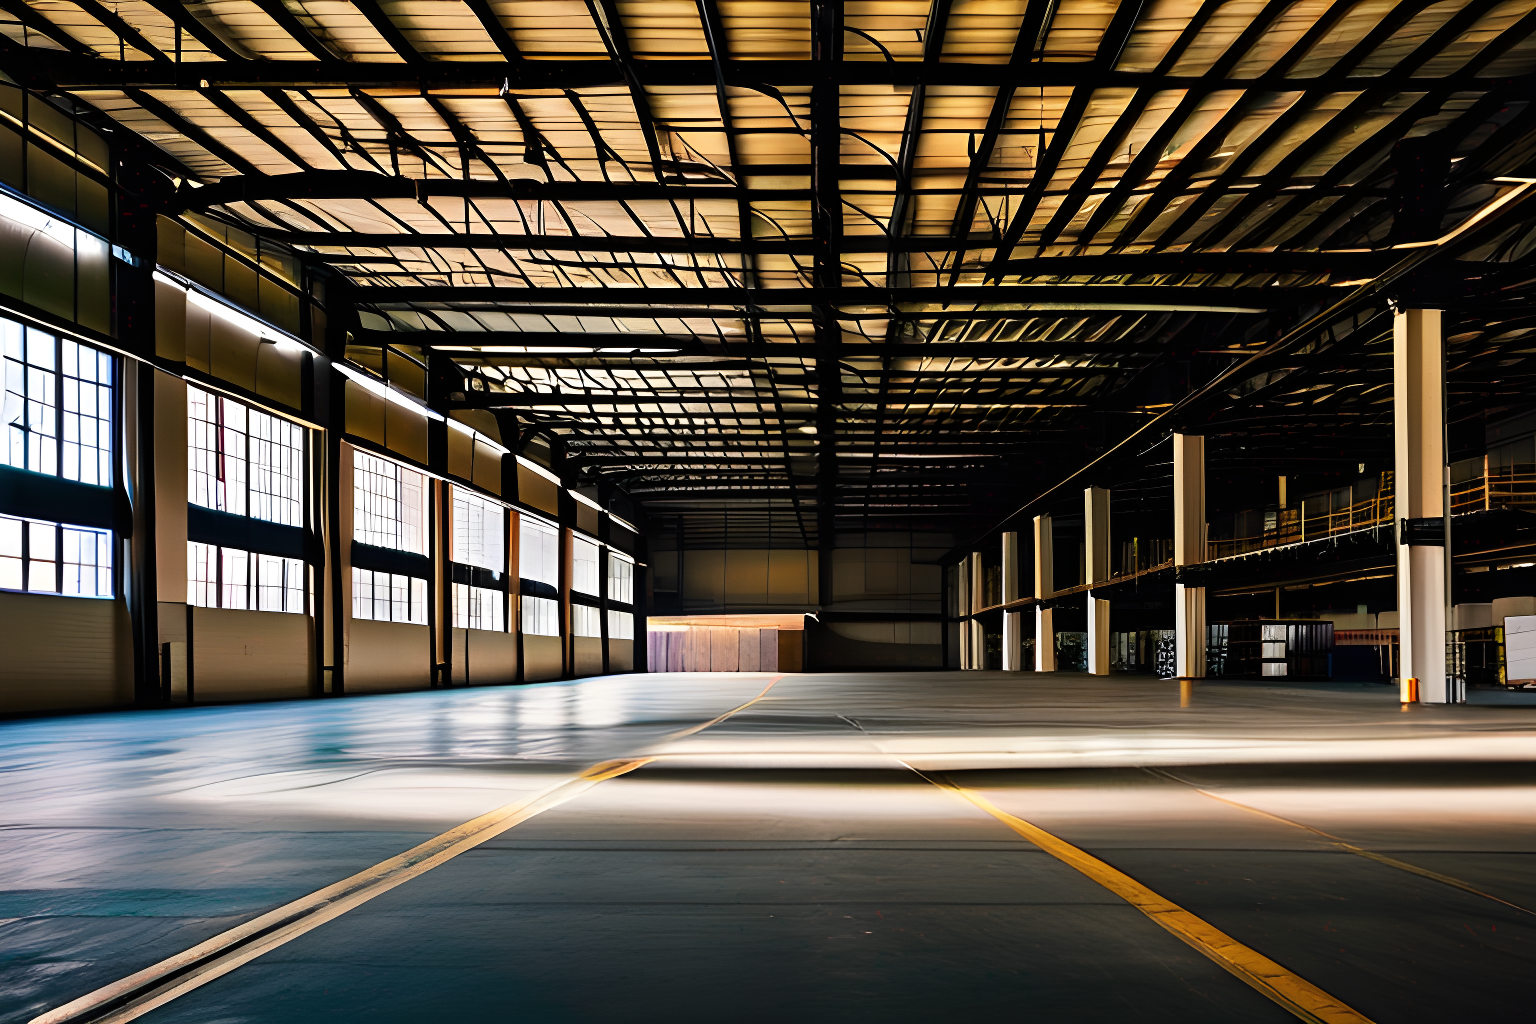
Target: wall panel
541, 658
60, 653
387, 656
244, 655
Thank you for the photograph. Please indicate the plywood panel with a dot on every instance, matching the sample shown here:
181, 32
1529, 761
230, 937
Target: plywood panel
240, 655
59, 653
541, 658
768, 650
621, 655
748, 655
725, 650
387, 656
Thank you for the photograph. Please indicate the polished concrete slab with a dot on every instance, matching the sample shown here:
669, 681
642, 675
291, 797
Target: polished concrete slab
789, 860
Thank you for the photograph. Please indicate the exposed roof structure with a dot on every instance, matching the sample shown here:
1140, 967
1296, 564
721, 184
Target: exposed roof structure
865, 265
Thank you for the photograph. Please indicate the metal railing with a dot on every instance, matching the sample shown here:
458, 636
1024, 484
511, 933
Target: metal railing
1342, 510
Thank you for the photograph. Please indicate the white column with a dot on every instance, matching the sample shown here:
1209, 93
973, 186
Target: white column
1189, 549
1045, 587
1096, 541
963, 609
978, 635
1013, 622
1418, 381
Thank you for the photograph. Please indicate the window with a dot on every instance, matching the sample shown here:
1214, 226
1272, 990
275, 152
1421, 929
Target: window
584, 566
479, 528
621, 626
230, 578
541, 616
55, 558
621, 578
388, 503
388, 597
243, 461
586, 620
478, 608
539, 552
58, 406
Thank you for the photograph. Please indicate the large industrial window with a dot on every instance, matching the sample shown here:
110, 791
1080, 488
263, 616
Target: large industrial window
388, 504
586, 620
243, 461
219, 577
55, 558
478, 608
584, 567
621, 625
539, 552
58, 405
541, 616
621, 577
479, 528
388, 597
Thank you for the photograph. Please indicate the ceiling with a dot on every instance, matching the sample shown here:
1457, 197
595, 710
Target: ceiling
779, 271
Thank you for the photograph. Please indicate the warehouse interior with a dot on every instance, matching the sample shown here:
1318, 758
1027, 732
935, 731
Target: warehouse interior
952, 359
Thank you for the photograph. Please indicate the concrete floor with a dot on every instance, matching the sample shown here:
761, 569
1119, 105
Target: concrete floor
786, 863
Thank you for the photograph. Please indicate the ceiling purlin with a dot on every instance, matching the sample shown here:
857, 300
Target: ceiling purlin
645, 417
278, 11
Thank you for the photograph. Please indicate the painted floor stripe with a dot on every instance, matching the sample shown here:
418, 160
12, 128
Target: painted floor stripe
137, 994
716, 721
154, 986
1348, 847
1296, 994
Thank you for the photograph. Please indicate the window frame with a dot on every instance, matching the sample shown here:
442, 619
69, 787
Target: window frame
221, 589
60, 567
59, 384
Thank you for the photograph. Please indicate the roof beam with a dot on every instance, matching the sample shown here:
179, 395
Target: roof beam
1161, 298
71, 73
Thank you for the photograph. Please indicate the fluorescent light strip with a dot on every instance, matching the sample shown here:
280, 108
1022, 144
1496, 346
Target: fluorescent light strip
615, 519
586, 501
30, 216
386, 392
215, 306
540, 470
465, 428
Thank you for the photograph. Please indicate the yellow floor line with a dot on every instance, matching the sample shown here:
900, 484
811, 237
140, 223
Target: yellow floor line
154, 986
716, 721
1348, 847
137, 994
1296, 994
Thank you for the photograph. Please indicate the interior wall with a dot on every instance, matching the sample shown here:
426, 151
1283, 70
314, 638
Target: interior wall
484, 658
541, 658
388, 656
245, 655
62, 653
713, 649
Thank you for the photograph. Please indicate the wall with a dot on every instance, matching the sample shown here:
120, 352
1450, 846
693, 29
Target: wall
387, 656
713, 649
60, 653
244, 655
542, 658
484, 658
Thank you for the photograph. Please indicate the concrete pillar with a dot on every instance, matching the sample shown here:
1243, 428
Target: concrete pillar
978, 599
1189, 549
1096, 547
1045, 588
1013, 621
1418, 380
